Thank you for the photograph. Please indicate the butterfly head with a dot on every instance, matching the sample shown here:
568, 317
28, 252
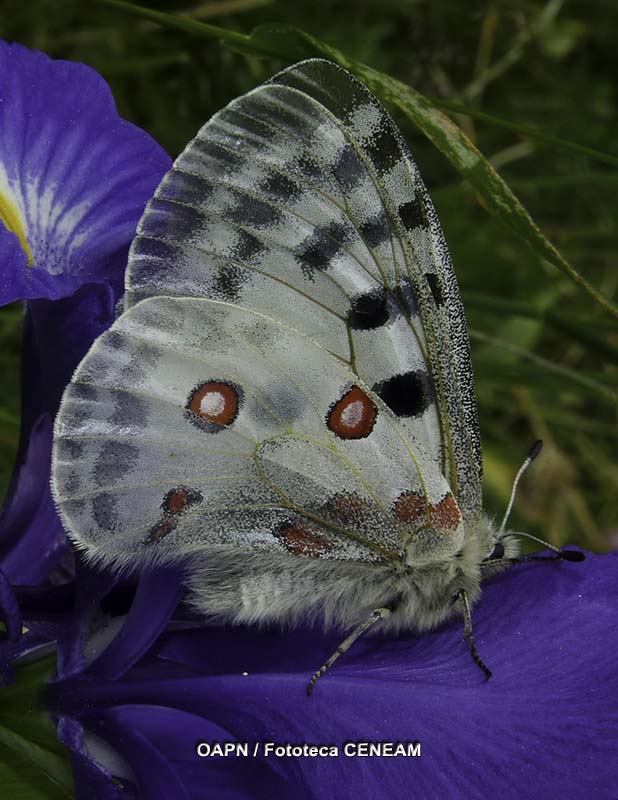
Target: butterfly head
440, 562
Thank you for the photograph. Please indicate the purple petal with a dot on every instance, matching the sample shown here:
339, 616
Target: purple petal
91, 586
158, 593
57, 334
9, 610
549, 715
94, 783
174, 734
74, 176
74, 179
156, 776
31, 535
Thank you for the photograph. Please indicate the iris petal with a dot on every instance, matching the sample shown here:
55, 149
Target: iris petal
74, 176
74, 180
549, 715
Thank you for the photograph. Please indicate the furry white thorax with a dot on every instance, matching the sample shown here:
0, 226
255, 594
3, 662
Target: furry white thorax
270, 588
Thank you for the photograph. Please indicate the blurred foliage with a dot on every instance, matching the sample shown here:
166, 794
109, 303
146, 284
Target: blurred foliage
537, 81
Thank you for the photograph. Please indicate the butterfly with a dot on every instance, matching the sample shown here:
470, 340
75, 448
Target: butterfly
286, 404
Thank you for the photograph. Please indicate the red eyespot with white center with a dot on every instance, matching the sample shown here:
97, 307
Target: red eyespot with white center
353, 415
214, 403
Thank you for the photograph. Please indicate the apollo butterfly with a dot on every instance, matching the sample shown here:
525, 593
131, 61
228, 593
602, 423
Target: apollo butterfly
287, 398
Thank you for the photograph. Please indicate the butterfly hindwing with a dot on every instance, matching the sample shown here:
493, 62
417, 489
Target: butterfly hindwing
301, 201
194, 423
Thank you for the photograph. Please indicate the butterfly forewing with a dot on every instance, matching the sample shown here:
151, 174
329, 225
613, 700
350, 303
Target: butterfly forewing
427, 264
282, 205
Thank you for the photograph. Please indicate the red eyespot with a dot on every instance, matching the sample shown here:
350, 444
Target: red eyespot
175, 501
348, 508
301, 542
445, 515
215, 401
353, 416
161, 529
411, 508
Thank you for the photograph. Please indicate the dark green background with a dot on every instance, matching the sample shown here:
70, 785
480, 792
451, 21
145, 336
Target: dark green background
556, 73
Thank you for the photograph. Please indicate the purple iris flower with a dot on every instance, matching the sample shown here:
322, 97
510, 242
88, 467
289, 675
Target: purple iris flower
74, 180
545, 725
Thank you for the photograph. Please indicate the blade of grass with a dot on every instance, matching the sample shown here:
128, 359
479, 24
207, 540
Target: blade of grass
577, 327
28, 738
499, 67
575, 377
526, 130
287, 43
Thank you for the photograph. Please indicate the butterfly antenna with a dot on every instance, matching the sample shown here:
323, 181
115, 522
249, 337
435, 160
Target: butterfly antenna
565, 555
534, 451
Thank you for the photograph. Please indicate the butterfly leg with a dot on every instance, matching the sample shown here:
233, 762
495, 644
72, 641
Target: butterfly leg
375, 616
468, 635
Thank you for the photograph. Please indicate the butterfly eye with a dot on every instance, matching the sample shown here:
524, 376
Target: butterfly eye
353, 416
214, 402
496, 553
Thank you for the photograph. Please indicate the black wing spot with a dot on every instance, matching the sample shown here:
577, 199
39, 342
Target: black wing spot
165, 220
317, 251
114, 461
436, 288
369, 310
412, 214
407, 395
376, 230
217, 156
129, 410
247, 246
253, 211
309, 168
227, 283
349, 169
406, 297
105, 510
384, 149
281, 187
72, 447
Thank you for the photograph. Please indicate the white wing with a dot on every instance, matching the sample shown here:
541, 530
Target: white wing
301, 201
194, 422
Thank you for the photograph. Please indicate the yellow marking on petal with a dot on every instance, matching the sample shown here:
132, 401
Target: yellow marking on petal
10, 217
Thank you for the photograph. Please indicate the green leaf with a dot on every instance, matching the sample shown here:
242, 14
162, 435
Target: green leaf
289, 44
594, 386
527, 130
575, 326
33, 763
